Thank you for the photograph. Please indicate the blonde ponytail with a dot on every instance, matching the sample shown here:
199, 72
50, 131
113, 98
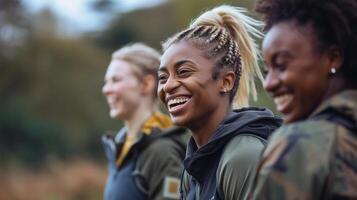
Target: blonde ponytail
241, 28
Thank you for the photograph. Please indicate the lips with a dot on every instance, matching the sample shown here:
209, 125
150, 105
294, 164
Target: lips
283, 102
177, 104
113, 102
112, 99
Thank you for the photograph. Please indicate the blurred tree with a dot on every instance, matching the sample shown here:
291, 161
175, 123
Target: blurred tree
149, 25
44, 23
25, 140
153, 25
186, 10
50, 91
14, 26
101, 5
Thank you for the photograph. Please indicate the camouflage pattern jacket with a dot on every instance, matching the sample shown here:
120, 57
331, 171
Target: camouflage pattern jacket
315, 158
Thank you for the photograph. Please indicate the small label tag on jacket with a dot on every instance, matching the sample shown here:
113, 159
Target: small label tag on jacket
171, 187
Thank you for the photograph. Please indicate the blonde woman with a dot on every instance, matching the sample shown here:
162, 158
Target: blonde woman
204, 70
145, 159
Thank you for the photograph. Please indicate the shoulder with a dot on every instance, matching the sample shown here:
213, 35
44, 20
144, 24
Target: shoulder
238, 162
242, 148
240, 155
160, 164
169, 140
166, 147
304, 134
308, 127
309, 144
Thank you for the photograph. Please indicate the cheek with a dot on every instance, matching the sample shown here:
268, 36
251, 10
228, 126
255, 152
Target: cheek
124, 90
118, 89
312, 85
129, 85
160, 93
309, 93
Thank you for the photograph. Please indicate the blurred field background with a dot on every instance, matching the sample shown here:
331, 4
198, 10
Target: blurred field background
52, 112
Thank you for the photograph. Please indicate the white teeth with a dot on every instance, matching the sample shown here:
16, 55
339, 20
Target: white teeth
112, 101
112, 98
177, 100
283, 100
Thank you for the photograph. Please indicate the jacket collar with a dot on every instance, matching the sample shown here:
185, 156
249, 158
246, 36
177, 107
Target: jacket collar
343, 102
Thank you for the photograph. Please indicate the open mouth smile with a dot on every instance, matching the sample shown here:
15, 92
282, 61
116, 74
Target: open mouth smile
283, 102
177, 104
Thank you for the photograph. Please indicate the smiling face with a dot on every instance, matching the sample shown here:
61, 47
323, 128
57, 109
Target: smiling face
121, 89
186, 86
297, 71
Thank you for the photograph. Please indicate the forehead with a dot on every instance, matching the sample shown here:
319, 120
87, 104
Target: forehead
119, 67
182, 51
288, 36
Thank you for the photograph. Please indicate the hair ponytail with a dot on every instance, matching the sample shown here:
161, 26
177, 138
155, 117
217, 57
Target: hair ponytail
228, 34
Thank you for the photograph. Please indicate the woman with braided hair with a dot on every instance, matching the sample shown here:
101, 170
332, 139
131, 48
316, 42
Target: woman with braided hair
309, 52
204, 70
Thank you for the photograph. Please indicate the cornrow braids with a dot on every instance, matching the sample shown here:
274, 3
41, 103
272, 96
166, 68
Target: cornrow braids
223, 39
225, 34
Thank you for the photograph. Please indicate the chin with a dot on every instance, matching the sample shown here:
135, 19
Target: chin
291, 118
178, 121
114, 115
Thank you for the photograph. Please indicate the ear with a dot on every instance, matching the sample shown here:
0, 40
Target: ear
335, 58
148, 84
228, 79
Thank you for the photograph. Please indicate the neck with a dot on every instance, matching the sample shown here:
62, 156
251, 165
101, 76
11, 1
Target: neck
138, 118
337, 84
203, 129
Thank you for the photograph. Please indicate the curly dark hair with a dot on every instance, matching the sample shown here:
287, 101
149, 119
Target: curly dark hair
334, 23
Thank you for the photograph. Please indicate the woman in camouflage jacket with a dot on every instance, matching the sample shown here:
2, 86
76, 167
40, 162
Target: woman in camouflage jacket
309, 54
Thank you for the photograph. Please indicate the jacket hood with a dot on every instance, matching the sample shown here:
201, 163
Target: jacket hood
260, 122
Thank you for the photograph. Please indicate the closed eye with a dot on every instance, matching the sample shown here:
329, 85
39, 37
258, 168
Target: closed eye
184, 72
116, 79
280, 60
281, 66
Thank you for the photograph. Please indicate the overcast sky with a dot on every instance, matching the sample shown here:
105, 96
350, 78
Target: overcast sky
77, 15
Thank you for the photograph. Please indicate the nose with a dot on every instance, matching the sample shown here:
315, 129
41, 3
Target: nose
168, 87
271, 81
170, 84
106, 89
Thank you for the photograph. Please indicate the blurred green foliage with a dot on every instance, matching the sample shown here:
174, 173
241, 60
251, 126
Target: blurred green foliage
50, 86
156, 24
50, 90
27, 140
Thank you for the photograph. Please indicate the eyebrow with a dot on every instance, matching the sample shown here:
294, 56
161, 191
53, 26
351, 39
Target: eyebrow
176, 65
281, 53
